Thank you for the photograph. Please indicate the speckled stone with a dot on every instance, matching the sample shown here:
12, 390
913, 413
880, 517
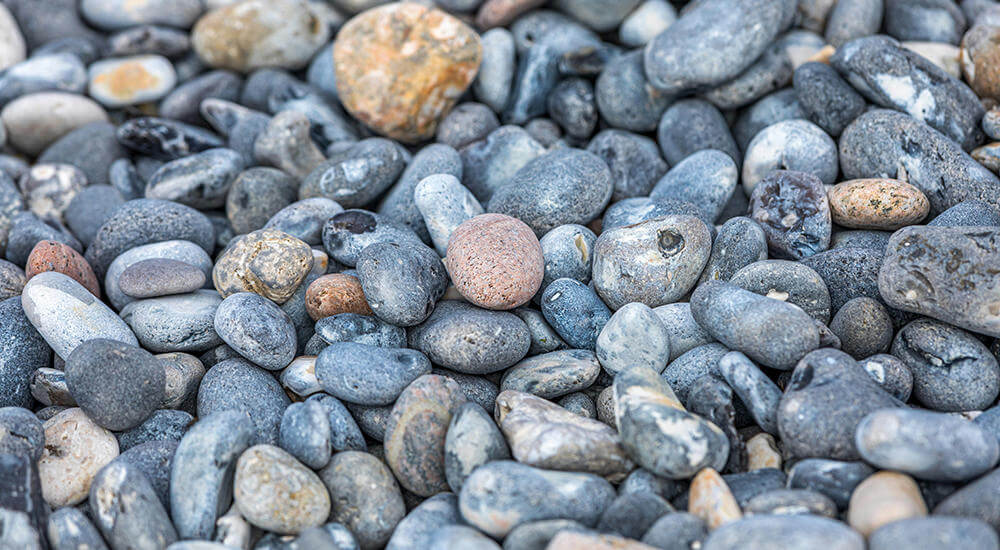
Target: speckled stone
118, 386
706, 178
891, 373
286, 144
160, 277
692, 125
202, 470
66, 314
48, 386
368, 375
489, 164
153, 459
683, 331
544, 435
416, 430
70, 528
333, 294
21, 433
408, 104
630, 262
792, 209
401, 283
22, 351
237, 385
27, 229
467, 339
56, 256
634, 335
502, 495
357, 174
795, 144
277, 493
634, 160
183, 322
466, 123
257, 329
644, 404
491, 250
833, 478
256, 195
563, 186
126, 508
826, 398
883, 498
543, 337
789, 532
787, 281
553, 374
884, 204
350, 327
304, 219
254, 34
76, 449
624, 97
12, 280
164, 425
935, 533
863, 327
472, 440
364, 497
49, 188
347, 233
267, 262
952, 370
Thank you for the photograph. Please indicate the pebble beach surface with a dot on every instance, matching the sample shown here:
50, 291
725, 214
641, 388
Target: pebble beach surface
499, 274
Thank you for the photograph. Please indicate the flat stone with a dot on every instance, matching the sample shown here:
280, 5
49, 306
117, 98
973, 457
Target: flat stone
160, 277
131, 80
126, 508
472, 440
467, 339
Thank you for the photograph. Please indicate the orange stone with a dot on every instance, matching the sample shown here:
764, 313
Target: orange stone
402, 66
335, 293
877, 203
495, 261
56, 256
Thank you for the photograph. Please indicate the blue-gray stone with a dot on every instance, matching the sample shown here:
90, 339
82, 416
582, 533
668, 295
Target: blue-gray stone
347, 233
237, 385
22, 351
162, 425
401, 283
468, 339
399, 205
368, 375
634, 160
575, 311
305, 433
691, 125
345, 435
126, 509
257, 329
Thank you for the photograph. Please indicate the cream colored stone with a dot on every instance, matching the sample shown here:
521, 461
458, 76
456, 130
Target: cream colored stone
711, 499
883, 498
75, 450
762, 452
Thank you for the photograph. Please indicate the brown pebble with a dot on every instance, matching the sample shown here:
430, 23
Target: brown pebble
576, 540
711, 499
495, 261
335, 293
160, 277
980, 58
877, 203
823, 55
56, 256
402, 66
883, 498
496, 13
762, 452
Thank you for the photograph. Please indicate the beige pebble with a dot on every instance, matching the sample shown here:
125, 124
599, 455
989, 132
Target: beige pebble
276, 492
75, 450
944, 55
268, 262
574, 540
35, 121
762, 452
711, 500
877, 203
883, 498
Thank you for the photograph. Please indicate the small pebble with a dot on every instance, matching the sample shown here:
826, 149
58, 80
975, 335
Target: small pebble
160, 277
884, 498
75, 450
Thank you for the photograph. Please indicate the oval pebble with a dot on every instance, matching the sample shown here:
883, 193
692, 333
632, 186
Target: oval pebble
368, 375
275, 492
75, 450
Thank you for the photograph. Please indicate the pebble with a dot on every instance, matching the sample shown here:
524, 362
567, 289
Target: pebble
12, 280
465, 124
160, 277
202, 471
630, 262
712, 501
256, 329
647, 21
406, 100
58, 257
70, 528
368, 375
347, 233
754, 388
793, 532
634, 160
863, 327
42, 72
126, 509
575, 312
49, 189
545, 435
503, 495
131, 80
516, 266
634, 335
739, 243
676, 531
351, 327
305, 219
772, 70
472, 440
14, 47
164, 425
75, 450
489, 164
28, 229
36, 121
333, 294
884, 498
253, 34
706, 178
794, 145
827, 100
275, 492
48, 386
444, 205
912, 22
399, 203
952, 370
356, 175
21, 433
890, 373
639, 209
467, 339
183, 322
22, 351
267, 262
882, 204
625, 98
364, 497
805, 414
934, 533
237, 385
118, 386
401, 285
418, 527
677, 139
117, 14
416, 430
568, 252
792, 209
762, 452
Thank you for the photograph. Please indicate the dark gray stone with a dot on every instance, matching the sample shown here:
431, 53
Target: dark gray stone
257, 329
237, 385
827, 100
833, 478
691, 125
634, 160
401, 283
468, 339
117, 385
368, 375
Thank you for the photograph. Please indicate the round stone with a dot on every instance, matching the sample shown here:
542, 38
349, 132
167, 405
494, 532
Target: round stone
160, 277
793, 144
117, 385
464, 338
880, 203
35, 121
267, 262
75, 450
401, 283
883, 498
495, 261
863, 327
131, 80
257, 329
58, 257
335, 293
278, 493
401, 67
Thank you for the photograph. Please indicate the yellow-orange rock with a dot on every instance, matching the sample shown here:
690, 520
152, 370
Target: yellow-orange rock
711, 499
877, 203
402, 66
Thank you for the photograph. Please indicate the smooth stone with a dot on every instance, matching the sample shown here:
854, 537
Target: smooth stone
862, 238
305, 219
368, 375
627, 265
502, 495
793, 532
183, 102
942, 272
624, 97
467, 339
754, 388
92, 148
828, 101
792, 209
634, 160
164, 425
23, 350
61, 71
257, 329
826, 397
22, 488
883, 498
55, 256
267, 262
568, 252
466, 123
684, 333
305, 433
952, 370
496, 71
543, 337
877, 204
545, 435
146, 221
399, 204
762, 452
934, 533
418, 527
287, 144
713, 399
792, 502
553, 374
416, 431
345, 435
153, 459
275, 492
711, 500
847, 273
89, 209
833, 478
639, 209
677, 531
36, 121
356, 176
863, 327
401, 284
891, 373
177, 250
127, 81
27, 230
472, 440
632, 514
771, 71
739, 243
202, 471
444, 204
966, 213
634, 335
237, 385
750, 323
256, 195
69, 528
18, 531
706, 178
683, 372
66, 314
563, 186
21, 433
771, 109
127, 510
118, 386
795, 144
647, 21
361, 329
347, 233
160, 277
490, 164
568, 540
118, 14
364, 497
658, 433
333, 294
152, 39
76, 449
693, 125
460, 536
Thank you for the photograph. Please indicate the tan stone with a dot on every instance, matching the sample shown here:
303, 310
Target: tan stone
276, 492
877, 203
496, 13
75, 450
944, 55
574, 540
711, 499
824, 55
980, 56
883, 498
762, 452
988, 155
402, 66
268, 262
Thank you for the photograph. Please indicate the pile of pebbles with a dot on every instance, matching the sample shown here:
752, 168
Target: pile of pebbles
519, 274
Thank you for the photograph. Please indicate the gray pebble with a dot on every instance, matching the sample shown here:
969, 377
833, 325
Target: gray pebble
890, 373
22, 351
834, 478
257, 329
401, 284
116, 384
70, 529
683, 331
639, 209
853, 19
399, 205
553, 374
237, 385
793, 144
706, 178
685, 370
364, 496
468, 339
160, 277
691, 125
678, 531
575, 312
305, 433
755, 389
48, 386
624, 97
770, 109
444, 203
472, 440
496, 72
568, 252
934, 533
827, 100
356, 176
863, 327
489, 165
162, 425
739, 243
634, 160
634, 335
361, 329
793, 532
200, 180
368, 375
183, 322
970, 212
771, 71
127, 510
21, 433
347, 233
791, 502
89, 209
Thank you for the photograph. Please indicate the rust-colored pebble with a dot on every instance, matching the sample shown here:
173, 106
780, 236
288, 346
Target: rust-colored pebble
56, 256
877, 203
335, 293
495, 261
